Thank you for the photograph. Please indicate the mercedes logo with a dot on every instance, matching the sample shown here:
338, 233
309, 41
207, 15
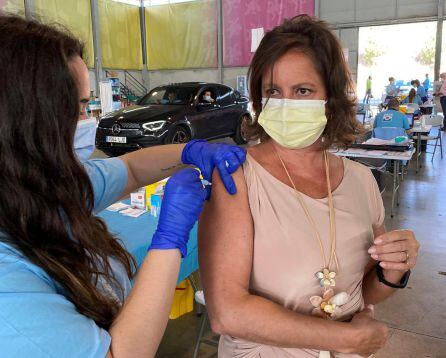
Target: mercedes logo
116, 128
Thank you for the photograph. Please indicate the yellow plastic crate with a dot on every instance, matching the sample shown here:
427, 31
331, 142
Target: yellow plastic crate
183, 300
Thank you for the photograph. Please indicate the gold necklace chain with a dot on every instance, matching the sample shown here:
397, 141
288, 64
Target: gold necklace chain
333, 256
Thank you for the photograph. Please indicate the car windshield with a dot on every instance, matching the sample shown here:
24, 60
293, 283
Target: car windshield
170, 96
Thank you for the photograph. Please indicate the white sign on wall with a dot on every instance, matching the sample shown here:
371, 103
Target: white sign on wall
256, 37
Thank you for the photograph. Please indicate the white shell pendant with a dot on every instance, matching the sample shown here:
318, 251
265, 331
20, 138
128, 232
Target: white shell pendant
324, 354
326, 278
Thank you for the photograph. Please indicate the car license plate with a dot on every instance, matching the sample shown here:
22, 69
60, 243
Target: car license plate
110, 139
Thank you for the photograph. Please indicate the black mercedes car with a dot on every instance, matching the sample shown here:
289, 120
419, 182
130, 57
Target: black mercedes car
175, 113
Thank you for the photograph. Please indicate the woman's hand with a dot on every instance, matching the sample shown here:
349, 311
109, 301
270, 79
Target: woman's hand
227, 159
397, 250
184, 198
369, 335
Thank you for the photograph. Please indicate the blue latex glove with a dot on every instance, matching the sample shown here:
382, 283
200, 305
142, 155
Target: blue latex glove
184, 198
206, 156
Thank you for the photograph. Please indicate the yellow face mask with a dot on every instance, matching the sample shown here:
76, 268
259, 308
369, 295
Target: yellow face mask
293, 123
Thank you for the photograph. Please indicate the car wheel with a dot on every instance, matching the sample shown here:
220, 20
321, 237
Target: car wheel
240, 133
178, 136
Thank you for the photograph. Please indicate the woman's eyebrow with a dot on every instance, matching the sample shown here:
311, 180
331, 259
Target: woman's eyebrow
297, 85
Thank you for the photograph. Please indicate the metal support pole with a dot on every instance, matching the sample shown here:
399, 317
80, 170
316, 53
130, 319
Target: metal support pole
317, 8
96, 43
142, 20
395, 183
220, 39
29, 9
439, 39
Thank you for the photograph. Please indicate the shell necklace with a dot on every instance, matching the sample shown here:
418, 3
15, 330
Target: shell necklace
327, 305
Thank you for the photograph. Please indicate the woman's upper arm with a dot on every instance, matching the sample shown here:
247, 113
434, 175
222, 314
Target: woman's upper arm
226, 245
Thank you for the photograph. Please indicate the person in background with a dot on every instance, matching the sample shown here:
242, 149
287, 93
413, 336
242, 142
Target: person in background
442, 95
391, 89
207, 97
413, 97
421, 91
392, 117
171, 99
426, 82
368, 90
65, 288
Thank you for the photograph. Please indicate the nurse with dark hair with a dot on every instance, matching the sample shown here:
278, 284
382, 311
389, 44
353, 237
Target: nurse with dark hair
64, 278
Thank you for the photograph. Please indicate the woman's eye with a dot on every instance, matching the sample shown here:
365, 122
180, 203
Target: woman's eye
304, 91
272, 92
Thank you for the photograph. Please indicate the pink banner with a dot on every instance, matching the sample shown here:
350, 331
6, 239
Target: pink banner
241, 16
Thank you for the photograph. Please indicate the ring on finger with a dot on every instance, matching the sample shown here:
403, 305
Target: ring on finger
407, 257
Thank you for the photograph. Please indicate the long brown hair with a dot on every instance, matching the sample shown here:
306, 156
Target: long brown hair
315, 39
412, 94
46, 198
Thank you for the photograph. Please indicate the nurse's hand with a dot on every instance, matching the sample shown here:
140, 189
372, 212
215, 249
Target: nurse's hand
206, 156
397, 250
184, 198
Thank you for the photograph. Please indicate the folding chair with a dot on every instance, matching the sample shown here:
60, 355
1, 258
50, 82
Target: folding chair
435, 122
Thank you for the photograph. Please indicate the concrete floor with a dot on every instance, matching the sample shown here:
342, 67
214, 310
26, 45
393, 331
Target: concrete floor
416, 315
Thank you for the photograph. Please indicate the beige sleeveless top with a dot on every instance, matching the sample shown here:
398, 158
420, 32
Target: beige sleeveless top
287, 256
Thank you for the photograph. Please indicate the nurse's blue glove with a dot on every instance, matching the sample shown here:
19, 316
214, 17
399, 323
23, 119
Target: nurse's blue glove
184, 198
206, 156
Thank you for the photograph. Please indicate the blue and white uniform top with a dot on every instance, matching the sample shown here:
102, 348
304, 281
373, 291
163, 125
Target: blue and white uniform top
421, 91
36, 318
391, 118
416, 100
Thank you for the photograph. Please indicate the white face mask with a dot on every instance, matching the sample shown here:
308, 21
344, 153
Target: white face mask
293, 123
207, 98
84, 138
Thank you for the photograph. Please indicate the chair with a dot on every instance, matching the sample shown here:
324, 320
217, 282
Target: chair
199, 299
435, 122
388, 133
363, 110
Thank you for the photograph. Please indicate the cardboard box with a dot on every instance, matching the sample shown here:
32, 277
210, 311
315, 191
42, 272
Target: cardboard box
138, 200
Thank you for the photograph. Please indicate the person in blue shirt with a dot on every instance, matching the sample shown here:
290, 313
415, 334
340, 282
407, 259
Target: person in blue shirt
392, 117
426, 82
64, 278
421, 91
413, 97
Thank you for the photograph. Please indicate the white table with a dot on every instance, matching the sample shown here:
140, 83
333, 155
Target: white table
419, 130
396, 157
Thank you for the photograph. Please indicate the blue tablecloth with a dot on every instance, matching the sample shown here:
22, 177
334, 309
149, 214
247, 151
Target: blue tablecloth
136, 235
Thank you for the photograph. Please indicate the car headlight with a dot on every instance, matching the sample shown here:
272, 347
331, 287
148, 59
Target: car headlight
153, 126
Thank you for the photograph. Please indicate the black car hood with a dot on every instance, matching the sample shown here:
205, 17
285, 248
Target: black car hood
144, 114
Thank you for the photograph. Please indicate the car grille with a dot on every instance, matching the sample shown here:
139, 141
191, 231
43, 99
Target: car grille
124, 133
130, 125
108, 123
